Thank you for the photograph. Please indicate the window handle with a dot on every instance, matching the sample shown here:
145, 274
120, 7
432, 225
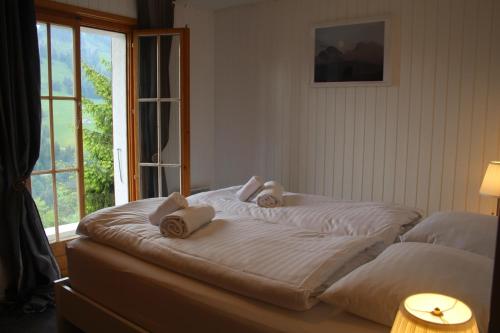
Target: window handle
119, 155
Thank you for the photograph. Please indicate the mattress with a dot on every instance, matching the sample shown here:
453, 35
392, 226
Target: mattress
159, 300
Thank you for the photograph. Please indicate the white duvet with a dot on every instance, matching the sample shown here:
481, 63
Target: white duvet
267, 255
320, 213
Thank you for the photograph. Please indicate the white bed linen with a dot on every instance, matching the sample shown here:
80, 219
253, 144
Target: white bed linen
280, 264
319, 213
125, 284
285, 256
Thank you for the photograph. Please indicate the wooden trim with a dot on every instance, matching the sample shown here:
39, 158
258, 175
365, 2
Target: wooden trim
89, 17
155, 32
59, 252
79, 126
131, 120
185, 114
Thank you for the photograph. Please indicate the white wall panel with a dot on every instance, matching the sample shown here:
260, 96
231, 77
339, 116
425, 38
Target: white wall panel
424, 141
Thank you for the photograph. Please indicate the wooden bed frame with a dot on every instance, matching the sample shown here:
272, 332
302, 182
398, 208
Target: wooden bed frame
77, 312
70, 305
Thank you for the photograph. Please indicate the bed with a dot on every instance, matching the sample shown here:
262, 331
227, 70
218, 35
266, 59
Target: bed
124, 273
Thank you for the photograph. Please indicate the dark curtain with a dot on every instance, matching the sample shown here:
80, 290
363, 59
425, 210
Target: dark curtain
24, 248
153, 14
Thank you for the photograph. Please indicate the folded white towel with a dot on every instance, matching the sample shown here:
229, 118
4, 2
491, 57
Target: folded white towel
271, 195
253, 185
184, 222
174, 202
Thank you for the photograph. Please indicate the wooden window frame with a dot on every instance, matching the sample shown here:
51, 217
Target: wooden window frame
183, 99
54, 13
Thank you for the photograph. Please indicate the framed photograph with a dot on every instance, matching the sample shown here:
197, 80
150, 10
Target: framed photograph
352, 53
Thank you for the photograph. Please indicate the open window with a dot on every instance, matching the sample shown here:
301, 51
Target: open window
161, 71
115, 114
83, 163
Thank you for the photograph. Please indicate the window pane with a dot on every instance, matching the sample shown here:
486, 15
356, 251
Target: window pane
64, 134
67, 198
44, 63
44, 160
170, 133
149, 182
148, 132
170, 66
97, 113
147, 67
63, 69
41, 190
171, 178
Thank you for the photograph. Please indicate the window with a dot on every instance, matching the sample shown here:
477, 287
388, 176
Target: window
84, 149
162, 107
105, 140
55, 182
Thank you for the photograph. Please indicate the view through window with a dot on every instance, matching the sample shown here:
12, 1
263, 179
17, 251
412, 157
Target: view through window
76, 171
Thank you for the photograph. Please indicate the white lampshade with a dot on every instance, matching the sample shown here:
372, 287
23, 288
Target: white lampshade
431, 313
491, 181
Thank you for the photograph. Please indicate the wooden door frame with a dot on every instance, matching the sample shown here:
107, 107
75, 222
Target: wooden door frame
184, 104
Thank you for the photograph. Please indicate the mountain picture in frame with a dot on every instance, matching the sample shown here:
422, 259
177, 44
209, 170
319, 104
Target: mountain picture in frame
351, 53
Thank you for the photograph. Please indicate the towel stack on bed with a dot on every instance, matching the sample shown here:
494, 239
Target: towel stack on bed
266, 195
177, 220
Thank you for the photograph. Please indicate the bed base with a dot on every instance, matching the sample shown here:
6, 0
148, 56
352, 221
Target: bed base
77, 313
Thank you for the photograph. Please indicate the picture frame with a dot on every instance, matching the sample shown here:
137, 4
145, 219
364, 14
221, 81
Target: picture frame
354, 52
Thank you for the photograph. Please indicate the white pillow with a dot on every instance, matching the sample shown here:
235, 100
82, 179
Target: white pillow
375, 290
467, 231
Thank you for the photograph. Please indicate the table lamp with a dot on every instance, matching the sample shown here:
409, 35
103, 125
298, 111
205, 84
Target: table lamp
434, 313
491, 182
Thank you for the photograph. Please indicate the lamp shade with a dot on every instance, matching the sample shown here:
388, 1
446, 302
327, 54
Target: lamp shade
433, 313
491, 181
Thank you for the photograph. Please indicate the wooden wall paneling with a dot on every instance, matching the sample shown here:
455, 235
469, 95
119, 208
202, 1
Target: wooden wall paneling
480, 94
379, 144
330, 142
402, 143
440, 105
339, 139
320, 141
428, 98
404, 100
465, 105
492, 128
415, 107
453, 104
359, 143
369, 144
349, 130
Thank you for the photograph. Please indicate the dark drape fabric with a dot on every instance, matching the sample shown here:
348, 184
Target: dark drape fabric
154, 14
495, 293
25, 253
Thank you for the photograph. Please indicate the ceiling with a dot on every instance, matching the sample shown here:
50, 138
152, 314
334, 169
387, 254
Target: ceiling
217, 4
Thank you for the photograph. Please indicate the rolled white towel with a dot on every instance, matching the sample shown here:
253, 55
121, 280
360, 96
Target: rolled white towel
250, 188
174, 202
184, 222
271, 195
